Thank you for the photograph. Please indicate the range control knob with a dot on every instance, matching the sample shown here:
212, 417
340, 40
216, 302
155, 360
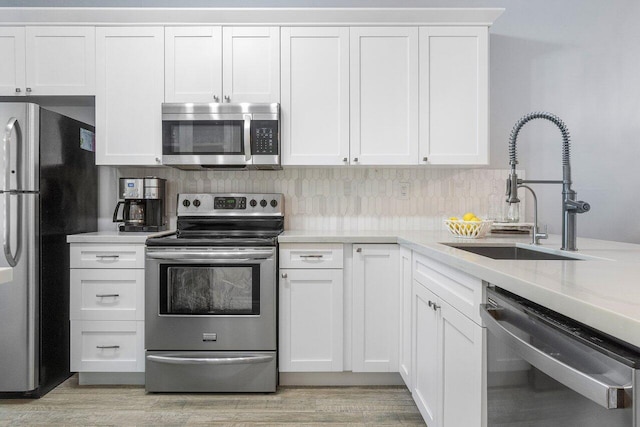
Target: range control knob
274, 203
263, 203
196, 203
253, 203
186, 203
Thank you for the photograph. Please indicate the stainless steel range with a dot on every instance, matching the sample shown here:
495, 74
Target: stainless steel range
210, 322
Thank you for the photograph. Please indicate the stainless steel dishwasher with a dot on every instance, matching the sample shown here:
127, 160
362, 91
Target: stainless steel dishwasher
544, 369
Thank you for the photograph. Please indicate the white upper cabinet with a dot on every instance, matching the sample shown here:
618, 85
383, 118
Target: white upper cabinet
47, 61
129, 94
216, 64
315, 96
12, 71
60, 61
454, 95
251, 64
193, 64
384, 96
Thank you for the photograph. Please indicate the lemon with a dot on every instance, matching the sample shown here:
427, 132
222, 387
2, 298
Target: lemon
453, 218
468, 216
475, 219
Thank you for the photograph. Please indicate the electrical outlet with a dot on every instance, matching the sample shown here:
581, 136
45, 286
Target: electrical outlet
404, 188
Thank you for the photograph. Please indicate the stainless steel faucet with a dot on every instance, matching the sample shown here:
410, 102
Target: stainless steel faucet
570, 206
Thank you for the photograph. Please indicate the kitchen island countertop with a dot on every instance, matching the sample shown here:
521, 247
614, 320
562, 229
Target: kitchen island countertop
602, 290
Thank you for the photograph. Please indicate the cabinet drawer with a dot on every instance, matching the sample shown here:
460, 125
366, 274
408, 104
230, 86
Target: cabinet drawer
311, 255
107, 346
98, 294
89, 255
460, 290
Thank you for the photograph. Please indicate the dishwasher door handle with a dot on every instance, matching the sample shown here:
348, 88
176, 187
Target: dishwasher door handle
610, 396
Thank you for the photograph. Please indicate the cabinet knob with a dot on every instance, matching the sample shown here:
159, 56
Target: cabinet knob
215, 98
345, 160
359, 250
355, 159
28, 90
226, 98
424, 159
18, 90
158, 161
284, 275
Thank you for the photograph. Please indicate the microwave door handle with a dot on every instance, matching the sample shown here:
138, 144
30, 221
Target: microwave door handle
247, 137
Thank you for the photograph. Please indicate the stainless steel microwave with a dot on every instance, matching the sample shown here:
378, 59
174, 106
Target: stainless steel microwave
221, 136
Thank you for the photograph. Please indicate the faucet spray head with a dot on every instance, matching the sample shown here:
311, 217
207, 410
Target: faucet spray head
512, 187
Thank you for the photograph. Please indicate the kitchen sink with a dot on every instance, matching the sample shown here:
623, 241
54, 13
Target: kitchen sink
510, 252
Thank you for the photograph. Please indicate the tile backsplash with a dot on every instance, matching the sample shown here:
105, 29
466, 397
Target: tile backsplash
349, 198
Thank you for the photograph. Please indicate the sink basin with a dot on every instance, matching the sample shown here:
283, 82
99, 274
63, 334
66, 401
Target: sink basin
510, 252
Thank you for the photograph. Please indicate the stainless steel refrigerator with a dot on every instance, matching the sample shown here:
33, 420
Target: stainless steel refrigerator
48, 190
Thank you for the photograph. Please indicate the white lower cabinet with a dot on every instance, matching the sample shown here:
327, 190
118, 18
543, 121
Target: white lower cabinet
375, 308
107, 310
448, 358
311, 308
405, 284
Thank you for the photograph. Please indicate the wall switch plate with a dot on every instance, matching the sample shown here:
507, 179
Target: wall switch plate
404, 189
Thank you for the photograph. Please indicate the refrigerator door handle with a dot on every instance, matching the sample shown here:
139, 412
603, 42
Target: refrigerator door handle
12, 125
12, 259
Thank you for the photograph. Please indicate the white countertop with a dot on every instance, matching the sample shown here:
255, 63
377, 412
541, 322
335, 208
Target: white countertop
6, 274
602, 291
115, 237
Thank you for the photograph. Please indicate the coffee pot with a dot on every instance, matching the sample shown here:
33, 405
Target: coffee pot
143, 204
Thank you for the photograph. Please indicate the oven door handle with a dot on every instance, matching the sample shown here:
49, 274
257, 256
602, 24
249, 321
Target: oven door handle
610, 396
241, 360
211, 256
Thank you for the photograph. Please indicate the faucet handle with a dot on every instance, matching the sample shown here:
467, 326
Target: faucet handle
537, 235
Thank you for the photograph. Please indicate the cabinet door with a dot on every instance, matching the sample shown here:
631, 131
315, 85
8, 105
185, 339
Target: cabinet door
406, 297
129, 94
12, 51
384, 96
426, 355
315, 96
193, 64
311, 310
251, 64
375, 308
461, 343
454, 95
61, 61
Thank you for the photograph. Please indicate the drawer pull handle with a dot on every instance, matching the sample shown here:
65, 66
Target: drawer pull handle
104, 347
108, 256
359, 250
107, 295
311, 256
284, 275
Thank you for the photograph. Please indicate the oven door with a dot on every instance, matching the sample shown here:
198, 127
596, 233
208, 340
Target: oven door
210, 299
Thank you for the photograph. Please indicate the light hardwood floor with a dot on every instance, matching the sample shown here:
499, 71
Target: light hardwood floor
71, 404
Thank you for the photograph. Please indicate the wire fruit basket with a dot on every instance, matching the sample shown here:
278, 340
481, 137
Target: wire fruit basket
468, 229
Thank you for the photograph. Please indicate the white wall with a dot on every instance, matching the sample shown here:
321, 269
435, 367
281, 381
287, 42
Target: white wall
579, 59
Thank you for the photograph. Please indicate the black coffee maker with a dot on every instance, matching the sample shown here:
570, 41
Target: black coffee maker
143, 204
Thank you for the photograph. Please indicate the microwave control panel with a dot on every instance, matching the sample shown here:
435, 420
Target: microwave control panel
264, 137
